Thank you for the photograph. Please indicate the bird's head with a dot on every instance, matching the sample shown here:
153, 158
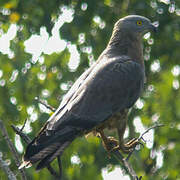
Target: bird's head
135, 24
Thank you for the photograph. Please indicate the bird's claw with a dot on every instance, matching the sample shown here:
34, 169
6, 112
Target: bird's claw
129, 146
126, 148
111, 144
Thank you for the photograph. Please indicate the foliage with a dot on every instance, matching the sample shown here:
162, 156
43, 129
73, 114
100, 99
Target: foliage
49, 75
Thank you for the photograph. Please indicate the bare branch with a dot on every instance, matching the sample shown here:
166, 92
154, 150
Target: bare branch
141, 138
24, 125
45, 104
153, 127
18, 131
124, 161
125, 165
5, 167
129, 155
12, 149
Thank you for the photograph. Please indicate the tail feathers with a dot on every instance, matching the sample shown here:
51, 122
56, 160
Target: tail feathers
46, 149
48, 159
42, 153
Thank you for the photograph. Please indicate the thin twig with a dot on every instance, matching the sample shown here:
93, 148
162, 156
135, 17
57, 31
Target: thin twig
7, 170
12, 149
130, 169
45, 104
24, 124
130, 153
125, 165
18, 131
141, 138
153, 127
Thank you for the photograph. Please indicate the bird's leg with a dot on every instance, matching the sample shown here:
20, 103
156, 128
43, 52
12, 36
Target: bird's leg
126, 147
109, 143
112, 144
132, 143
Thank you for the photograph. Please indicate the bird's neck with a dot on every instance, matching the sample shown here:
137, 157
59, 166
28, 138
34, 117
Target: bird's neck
122, 43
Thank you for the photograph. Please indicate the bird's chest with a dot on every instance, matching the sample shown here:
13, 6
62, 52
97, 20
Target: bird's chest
114, 121
117, 119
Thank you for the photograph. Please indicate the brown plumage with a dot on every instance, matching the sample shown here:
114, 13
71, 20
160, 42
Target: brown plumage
100, 97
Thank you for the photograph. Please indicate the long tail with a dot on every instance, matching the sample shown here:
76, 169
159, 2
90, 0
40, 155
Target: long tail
47, 146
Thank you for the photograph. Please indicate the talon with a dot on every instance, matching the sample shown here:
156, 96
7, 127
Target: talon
128, 147
110, 141
112, 144
131, 141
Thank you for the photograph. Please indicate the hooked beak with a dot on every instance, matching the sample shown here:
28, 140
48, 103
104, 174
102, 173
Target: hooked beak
153, 28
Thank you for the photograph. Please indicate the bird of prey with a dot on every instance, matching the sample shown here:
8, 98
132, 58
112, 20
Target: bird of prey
99, 98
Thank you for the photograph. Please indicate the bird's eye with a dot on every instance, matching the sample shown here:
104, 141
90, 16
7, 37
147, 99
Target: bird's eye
139, 23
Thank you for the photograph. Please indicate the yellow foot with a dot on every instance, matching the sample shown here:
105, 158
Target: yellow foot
126, 148
111, 144
129, 146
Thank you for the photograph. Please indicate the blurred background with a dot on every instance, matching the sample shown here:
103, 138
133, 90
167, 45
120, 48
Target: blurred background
45, 45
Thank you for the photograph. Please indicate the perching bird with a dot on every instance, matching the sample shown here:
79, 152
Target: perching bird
99, 98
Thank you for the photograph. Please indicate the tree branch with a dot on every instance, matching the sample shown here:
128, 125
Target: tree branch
141, 138
5, 167
45, 104
125, 164
153, 127
24, 137
12, 149
124, 161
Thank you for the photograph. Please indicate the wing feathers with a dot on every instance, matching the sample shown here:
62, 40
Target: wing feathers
48, 159
46, 146
111, 85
